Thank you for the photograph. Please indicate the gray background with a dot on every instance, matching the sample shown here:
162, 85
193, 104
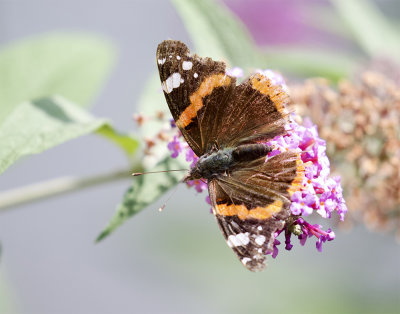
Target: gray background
173, 262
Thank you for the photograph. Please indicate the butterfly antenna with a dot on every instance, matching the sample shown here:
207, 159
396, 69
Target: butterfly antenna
169, 197
135, 174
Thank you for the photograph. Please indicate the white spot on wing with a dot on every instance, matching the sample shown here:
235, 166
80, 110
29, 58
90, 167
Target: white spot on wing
195, 75
173, 81
259, 228
187, 65
161, 61
260, 239
238, 239
178, 57
245, 260
260, 250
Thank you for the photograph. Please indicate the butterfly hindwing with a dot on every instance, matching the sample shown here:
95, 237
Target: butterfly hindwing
250, 238
252, 203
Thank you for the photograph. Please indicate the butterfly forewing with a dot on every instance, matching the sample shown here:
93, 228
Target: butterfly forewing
190, 85
256, 112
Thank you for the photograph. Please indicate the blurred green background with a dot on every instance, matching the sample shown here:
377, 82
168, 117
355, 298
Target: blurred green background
177, 261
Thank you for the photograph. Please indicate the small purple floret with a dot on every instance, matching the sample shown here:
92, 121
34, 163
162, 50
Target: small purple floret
191, 157
288, 235
276, 78
175, 146
235, 72
275, 249
199, 185
303, 203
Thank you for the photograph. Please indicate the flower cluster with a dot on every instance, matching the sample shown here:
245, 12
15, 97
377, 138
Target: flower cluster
317, 193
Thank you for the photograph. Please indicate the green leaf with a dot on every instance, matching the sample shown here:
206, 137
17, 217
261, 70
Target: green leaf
217, 33
144, 191
127, 142
309, 63
373, 31
39, 125
148, 188
71, 65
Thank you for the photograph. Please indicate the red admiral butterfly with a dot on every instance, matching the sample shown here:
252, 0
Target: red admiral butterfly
227, 126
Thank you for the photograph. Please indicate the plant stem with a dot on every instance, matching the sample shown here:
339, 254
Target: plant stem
50, 188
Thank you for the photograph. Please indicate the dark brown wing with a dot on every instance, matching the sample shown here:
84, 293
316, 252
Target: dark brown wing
256, 113
252, 203
191, 85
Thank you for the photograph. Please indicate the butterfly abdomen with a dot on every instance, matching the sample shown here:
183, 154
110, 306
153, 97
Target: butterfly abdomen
249, 152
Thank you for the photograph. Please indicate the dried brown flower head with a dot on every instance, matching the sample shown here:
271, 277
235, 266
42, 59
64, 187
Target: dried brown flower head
360, 120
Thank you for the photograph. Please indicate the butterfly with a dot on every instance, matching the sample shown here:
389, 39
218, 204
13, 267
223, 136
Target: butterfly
227, 126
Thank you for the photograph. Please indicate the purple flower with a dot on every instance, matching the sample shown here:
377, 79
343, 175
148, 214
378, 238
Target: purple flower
329, 236
303, 237
175, 146
337, 190
342, 210
235, 72
276, 78
326, 208
318, 244
302, 203
199, 185
191, 157
318, 191
311, 171
288, 235
275, 250
309, 230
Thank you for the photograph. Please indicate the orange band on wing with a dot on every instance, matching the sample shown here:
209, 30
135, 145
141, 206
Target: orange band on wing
264, 85
298, 180
243, 213
196, 99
